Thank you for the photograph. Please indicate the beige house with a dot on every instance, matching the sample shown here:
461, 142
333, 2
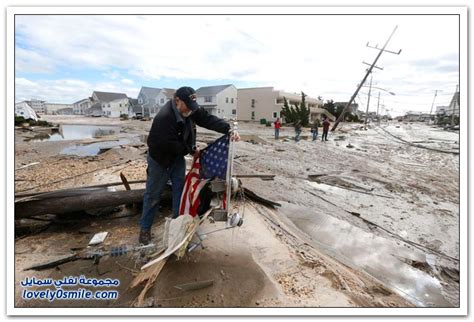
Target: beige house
266, 103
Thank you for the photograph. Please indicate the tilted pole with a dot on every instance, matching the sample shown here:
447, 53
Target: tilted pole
368, 103
344, 111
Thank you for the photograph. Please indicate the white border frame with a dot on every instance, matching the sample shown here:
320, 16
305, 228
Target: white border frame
462, 310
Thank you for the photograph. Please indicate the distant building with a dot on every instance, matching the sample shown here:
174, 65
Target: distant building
24, 110
53, 108
99, 99
417, 117
316, 113
266, 103
80, 107
218, 100
442, 110
151, 99
116, 107
353, 108
37, 105
65, 111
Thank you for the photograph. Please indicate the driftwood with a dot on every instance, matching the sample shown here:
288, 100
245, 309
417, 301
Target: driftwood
254, 197
80, 202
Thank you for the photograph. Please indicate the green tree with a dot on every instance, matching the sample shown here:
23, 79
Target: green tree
304, 111
296, 112
288, 112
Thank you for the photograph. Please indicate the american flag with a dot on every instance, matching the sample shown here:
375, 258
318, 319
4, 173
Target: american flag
211, 163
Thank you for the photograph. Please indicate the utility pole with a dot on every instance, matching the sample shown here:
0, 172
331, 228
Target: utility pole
368, 103
454, 100
381, 50
432, 104
378, 104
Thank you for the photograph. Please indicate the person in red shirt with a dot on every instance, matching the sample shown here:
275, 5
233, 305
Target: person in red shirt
277, 124
326, 124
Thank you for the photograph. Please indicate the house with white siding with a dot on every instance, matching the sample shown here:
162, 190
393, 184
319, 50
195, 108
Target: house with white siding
80, 107
152, 99
116, 107
99, 99
218, 100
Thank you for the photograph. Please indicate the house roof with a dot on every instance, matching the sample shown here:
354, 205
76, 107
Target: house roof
108, 97
169, 92
133, 101
150, 92
211, 90
80, 101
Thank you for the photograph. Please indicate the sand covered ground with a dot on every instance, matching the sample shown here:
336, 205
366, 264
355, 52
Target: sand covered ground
369, 218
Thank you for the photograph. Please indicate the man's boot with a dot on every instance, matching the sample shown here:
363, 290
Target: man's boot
145, 236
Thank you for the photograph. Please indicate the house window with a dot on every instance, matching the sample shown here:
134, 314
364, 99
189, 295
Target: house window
280, 101
227, 100
162, 101
207, 99
140, 101
108, 105
253, 102
275, 115
253, 115
234, 112
232, 100
120, 105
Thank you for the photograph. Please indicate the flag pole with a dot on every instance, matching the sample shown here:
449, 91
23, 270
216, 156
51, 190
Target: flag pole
230, 163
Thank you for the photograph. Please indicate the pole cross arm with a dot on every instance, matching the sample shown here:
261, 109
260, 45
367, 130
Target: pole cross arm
381, 68
386, 50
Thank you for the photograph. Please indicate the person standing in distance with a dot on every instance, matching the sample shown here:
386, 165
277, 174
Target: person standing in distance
172, 136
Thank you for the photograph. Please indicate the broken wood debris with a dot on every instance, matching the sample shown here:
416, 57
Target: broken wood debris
254, 197
84, 201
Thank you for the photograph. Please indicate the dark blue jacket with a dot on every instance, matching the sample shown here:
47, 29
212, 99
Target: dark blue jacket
172, 135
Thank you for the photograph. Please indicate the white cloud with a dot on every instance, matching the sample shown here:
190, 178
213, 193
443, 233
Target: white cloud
127, 81
66, 90
321, 55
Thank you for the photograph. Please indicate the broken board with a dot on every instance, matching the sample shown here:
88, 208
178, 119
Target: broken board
186, 239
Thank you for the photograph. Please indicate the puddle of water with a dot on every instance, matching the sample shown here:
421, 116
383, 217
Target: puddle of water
378, 256
93, 148
77, 132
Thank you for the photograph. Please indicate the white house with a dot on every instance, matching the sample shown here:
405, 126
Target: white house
152, 99
81, 106
218, 100
37, 105
25, 110
116, 107
99, 99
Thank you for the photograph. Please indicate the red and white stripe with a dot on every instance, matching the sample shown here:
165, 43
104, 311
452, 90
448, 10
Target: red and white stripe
193, 185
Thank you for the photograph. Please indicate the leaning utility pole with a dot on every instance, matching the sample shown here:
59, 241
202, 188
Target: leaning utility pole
378, 104
344, 111
432, 104
454, 100
368, 103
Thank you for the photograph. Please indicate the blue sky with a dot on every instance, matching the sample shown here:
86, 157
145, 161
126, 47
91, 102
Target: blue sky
63, 59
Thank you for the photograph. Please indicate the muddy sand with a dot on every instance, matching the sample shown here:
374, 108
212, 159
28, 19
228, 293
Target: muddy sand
366, 220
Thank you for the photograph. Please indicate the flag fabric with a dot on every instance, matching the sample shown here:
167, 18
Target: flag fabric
209, 164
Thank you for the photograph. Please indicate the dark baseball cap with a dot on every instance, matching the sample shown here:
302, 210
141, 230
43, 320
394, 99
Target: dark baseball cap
188, 96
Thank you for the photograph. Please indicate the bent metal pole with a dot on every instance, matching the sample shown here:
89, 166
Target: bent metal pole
344, 111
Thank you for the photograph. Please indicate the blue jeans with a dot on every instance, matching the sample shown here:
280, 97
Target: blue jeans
157, 177
298, 133
315, 136
277, 134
